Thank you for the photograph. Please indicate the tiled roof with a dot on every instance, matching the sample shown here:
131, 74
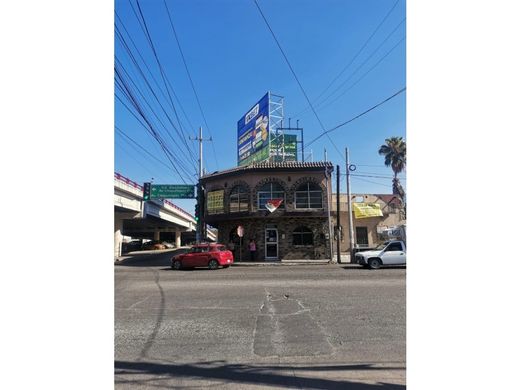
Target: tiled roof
272, 165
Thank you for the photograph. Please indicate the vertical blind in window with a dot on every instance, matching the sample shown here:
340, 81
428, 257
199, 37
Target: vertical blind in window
270, 191
238, 199
308, 196
302, 236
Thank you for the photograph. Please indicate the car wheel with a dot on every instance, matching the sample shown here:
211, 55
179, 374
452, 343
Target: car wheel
374, 263
213, 264
177, 265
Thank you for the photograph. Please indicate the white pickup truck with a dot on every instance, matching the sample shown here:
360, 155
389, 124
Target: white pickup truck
387, 253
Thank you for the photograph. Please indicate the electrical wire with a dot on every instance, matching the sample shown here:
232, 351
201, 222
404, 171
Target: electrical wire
128, 138
191, 81
372, 182
365, 61
323, 105
132, 157
141, 72
151, 73
150, 128
356, 55
121, 38
144, 26
180, 148
356, 117
126, 90
296, 77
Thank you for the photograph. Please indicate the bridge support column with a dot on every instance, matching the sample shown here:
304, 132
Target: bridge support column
118, 236
177, 237
157, 234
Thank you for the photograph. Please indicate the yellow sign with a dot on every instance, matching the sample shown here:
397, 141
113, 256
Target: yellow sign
367, 210
215, 202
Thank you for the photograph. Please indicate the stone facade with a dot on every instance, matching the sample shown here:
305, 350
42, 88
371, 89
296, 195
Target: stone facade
255, 228
289, 176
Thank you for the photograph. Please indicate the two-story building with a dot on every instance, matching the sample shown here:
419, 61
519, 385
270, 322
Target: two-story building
366, 230
298, 228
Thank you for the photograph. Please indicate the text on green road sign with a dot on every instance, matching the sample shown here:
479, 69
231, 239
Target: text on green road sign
172, 191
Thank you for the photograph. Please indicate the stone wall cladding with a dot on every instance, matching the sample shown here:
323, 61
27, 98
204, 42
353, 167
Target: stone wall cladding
286, 220
255, 228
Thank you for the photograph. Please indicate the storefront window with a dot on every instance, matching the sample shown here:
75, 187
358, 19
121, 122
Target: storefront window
302, 236
238, 199
270, 191
308, 196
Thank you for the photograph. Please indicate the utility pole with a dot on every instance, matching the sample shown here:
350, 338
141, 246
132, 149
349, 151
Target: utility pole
349, 208
329, 201
338, 223
201, 226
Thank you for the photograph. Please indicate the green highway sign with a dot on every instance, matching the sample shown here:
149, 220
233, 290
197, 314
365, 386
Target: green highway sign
172, 191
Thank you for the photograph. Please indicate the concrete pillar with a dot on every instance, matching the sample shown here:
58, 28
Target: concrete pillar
177, 237
118, 236
156, 234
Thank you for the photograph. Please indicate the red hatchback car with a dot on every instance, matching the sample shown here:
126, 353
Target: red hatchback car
204, 255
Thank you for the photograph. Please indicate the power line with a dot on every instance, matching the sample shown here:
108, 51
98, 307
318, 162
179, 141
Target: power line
133, 158
373, 182
325, 132
296, 77
376, 176
182, 150
138, 67
359, 52
161, 70
150, 72
147, 83
121, 132
127, 92
150, 128
191, 81
361, 78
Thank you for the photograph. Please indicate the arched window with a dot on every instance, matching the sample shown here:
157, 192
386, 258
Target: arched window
308, 196
302, 236
270, 191
238, 199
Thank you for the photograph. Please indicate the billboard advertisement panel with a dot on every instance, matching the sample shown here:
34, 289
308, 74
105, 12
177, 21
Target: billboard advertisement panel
253, 133
288, 151
215, 202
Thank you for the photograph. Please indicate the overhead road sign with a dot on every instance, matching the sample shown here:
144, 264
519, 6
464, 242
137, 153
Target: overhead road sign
172, 191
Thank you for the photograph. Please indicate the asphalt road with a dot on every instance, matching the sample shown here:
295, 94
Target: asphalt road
246, 327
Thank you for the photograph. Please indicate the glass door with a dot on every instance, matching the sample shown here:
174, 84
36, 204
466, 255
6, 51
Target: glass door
271, 244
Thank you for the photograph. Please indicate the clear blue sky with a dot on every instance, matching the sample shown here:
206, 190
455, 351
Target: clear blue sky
234, 60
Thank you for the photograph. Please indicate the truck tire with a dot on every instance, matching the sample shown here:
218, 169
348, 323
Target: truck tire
374, 263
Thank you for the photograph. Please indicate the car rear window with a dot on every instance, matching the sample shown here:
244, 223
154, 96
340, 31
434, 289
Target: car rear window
221, 248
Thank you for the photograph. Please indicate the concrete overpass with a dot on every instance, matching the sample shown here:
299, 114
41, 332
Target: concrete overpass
155, 219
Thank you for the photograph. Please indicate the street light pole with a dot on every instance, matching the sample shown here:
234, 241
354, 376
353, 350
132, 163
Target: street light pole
349, 209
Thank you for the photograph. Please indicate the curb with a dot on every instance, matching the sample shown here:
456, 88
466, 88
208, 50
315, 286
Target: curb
282, 263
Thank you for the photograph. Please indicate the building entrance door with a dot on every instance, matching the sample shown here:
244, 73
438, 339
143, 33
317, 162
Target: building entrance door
271, 244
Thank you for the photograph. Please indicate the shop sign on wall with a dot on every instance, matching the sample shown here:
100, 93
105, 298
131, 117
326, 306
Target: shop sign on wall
215, 202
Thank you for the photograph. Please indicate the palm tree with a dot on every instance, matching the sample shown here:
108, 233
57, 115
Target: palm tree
395, 156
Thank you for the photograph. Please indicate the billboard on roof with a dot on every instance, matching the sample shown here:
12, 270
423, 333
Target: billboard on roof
253, 134
284, 148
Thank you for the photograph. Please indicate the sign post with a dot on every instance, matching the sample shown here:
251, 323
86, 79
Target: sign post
240, 232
